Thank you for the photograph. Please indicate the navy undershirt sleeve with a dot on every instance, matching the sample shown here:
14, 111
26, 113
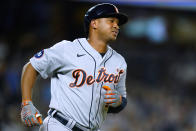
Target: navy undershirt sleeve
119, 108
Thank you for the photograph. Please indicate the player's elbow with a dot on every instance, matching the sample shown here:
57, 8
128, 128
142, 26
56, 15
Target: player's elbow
28, 68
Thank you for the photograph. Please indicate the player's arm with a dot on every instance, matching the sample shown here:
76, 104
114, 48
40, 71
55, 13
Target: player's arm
30, 116
29, 75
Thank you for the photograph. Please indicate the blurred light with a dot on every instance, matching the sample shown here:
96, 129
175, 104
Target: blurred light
135, 28
156, 29
153, 28
178, 4
184, 30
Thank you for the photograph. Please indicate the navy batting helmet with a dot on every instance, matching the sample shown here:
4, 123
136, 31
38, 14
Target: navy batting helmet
103, 10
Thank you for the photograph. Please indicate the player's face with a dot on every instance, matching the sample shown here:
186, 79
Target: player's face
108, 28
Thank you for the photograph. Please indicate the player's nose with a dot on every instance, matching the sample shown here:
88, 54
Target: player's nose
116, 26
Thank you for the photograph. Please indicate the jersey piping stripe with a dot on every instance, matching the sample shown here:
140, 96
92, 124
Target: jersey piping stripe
101, 86
93, 84
48, 122
99, 100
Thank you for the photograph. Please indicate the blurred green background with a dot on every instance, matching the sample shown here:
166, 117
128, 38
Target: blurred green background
158, 43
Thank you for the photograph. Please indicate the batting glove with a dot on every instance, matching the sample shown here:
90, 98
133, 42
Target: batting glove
30, 116
112, 98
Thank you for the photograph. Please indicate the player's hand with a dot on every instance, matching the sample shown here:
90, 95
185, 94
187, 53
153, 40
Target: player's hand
112, 97
30, 116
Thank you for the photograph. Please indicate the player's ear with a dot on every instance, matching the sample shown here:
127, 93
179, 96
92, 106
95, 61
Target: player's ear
94, 23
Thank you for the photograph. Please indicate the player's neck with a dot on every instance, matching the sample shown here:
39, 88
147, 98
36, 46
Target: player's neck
98, 45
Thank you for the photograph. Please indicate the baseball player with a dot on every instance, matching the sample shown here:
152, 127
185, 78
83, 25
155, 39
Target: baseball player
87, 76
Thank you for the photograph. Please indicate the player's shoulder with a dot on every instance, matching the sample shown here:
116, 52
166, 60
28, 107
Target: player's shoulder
118, 55
61, 44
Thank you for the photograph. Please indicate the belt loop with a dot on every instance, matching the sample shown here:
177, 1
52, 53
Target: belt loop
51, 112
71, 123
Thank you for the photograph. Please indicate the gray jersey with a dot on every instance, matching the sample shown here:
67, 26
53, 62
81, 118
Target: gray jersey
78, 73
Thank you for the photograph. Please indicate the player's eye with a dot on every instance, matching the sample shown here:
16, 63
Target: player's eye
112, 21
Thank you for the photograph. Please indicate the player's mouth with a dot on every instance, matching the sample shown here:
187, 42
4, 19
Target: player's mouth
115, 33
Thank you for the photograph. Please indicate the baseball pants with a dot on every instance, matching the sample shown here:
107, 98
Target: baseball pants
51, 124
